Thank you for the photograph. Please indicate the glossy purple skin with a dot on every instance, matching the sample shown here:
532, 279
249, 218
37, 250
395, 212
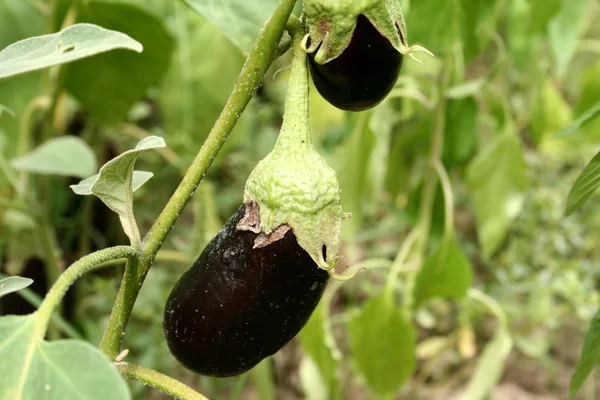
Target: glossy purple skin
237, 305
363, 75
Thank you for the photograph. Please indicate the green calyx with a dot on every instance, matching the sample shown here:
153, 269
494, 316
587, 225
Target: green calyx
293, 186
331, 24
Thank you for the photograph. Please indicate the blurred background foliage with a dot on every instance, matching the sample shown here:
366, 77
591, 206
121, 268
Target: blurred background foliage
518, 72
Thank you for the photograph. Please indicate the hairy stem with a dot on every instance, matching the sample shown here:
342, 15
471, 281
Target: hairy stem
80, 267
249, 80
166, 384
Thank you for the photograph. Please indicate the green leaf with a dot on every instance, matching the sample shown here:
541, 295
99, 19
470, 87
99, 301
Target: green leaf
550, 112
590, 355
467, 88
353, 158
461, 130
441, 29
587, 109
490, 365
64, 369
18, 20
13, 284
73, 43
446, 273
586, 117
383, 345
66, 155
449, 22
239, 20
114, 184
312, 382
584, 186
317, 342
107, 85
497, 179
84, 188
541, 12
564, 30
362, 163
6, 111
203, 71
476, 25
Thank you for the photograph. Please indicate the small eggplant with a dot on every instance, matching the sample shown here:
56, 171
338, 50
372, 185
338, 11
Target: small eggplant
356, 50
238, 304
363, 75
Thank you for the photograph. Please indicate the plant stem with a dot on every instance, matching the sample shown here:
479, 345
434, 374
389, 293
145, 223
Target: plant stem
448, 198
155, 379
491, 305
430, 183
435, 155
54, 263
7, 171
77, 269
263, 379
250, 78
24, 142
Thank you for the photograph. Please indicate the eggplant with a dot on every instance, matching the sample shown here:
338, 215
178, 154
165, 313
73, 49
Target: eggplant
238, 304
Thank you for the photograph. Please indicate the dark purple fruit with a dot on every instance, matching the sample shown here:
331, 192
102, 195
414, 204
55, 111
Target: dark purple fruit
363, 75
237, 305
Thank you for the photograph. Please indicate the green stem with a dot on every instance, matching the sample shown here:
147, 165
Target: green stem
295, 130
490, 303
54, 264
24, 143
448, 198
77, 269
250, 78
401, 258
166, 384
7, 171
429, 183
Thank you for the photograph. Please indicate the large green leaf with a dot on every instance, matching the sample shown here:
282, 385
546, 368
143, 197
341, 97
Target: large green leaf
476, 25
317, 341
13, 284
541, 12
107, 85
18, 20
497, 179
584, 186
446, 273
437, 24
590, 355
239, 20
66, 155
65, 369
198, 83
564, 31
433, 24
73, 43
383, 345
